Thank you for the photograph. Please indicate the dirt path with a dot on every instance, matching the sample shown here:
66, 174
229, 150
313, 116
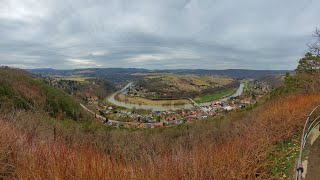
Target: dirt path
313, 166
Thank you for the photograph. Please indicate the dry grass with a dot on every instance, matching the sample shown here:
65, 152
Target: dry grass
235, 148
195, 79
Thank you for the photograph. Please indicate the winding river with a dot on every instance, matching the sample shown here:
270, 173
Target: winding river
112, 100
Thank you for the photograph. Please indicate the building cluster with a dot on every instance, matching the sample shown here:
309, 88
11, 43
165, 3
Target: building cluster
149, 119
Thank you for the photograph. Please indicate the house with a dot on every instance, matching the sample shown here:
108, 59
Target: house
158, 124
112, 122
132, 124
171, 118
228, 108
150, 120
157, 113
173, 122
247, 101
141, 125
145, 125
103, 112
242, 106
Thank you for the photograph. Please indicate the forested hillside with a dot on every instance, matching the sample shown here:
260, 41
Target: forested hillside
21, 90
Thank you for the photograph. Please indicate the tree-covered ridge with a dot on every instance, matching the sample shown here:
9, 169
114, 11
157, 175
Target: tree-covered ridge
309, 64
21, 90
307, 74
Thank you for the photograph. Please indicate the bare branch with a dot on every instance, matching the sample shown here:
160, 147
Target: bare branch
315, 46
316, 34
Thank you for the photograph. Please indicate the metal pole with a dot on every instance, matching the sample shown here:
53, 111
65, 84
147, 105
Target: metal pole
303, 140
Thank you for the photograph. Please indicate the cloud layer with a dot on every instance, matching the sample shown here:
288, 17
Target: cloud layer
166, 34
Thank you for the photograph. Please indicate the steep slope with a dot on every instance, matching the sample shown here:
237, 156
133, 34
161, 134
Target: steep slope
97, 88
237, 147
274, 81
21, 90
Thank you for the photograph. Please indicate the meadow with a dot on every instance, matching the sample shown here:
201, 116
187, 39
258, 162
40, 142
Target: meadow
211, 97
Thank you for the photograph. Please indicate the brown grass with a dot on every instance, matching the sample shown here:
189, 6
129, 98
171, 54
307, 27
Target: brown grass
234, 148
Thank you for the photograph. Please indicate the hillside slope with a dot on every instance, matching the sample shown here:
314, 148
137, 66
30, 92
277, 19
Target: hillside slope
258, 142
21, 90
237, 147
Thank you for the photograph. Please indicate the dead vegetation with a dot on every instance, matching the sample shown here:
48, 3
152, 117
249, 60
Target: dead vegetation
33, 147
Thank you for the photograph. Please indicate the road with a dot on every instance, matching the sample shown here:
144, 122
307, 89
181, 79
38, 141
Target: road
196, 104
126, 87
103, 119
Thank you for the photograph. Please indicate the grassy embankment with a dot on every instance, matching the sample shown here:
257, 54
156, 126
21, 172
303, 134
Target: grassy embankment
211, 97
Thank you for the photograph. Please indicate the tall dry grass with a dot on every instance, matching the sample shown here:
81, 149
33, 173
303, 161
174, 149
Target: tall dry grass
235, 148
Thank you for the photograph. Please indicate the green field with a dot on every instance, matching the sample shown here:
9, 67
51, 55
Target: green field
79, 79
212, 97
246, 87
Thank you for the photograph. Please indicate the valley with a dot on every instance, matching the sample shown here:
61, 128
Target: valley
160, 99
159, 90
105, 119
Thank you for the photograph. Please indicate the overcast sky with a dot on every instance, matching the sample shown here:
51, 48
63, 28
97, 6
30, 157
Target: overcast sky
156, 34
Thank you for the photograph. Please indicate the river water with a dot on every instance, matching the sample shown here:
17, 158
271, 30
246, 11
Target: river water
112, 100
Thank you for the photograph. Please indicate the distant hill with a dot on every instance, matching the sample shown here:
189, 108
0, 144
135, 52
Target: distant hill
177, 86
235, 73
273, 80
120, 74
83, 88
22, 90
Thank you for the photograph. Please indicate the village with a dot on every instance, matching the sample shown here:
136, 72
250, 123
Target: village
138, 118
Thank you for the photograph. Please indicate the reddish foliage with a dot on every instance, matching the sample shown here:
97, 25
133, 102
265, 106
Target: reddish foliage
237, 148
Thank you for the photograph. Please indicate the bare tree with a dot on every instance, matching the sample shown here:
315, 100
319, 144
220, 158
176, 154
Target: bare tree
315, 46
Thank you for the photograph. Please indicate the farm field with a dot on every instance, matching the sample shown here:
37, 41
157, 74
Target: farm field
180, 86
215, 96
78, 79
198, 80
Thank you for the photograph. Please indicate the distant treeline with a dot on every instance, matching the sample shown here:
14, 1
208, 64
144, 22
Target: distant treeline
117, 74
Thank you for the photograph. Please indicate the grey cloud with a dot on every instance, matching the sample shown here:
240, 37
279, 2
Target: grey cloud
166, 34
